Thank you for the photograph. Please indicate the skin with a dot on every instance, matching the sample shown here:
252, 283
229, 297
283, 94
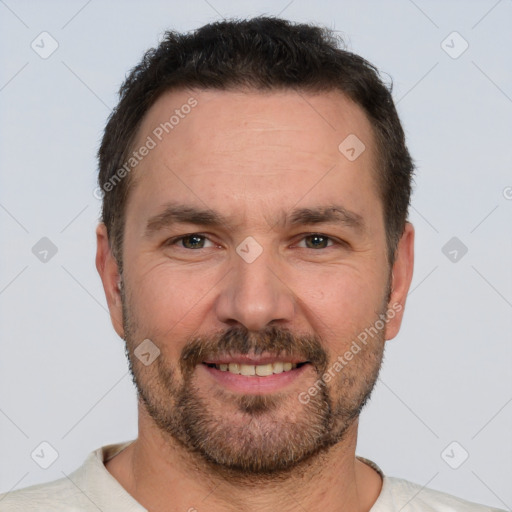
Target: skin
251, 156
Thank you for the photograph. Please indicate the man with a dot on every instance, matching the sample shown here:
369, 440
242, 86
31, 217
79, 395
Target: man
255, 256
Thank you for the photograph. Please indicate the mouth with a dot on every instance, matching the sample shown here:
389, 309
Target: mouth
260, 370
255, 374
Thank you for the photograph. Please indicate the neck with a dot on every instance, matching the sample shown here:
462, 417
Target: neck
164, 477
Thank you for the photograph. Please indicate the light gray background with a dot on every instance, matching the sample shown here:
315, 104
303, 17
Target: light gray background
446, 377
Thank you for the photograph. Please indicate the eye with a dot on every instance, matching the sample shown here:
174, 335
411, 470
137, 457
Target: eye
191, 241
316, 241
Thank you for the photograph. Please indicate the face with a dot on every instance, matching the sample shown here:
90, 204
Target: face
254, 260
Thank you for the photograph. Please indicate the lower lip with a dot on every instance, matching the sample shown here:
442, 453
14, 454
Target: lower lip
254, 385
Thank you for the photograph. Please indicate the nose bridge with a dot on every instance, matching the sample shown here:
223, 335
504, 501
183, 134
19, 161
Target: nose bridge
255, 294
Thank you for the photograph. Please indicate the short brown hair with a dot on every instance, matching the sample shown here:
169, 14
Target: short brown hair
262, 53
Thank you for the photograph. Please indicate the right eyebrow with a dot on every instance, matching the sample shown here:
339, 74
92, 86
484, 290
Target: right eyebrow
185, 214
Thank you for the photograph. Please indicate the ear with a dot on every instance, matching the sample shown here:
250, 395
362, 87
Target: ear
401, 281
109, 272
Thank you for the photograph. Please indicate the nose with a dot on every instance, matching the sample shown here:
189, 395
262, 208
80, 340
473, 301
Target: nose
255, 295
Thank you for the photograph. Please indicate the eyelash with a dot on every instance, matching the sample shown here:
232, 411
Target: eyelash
176, 240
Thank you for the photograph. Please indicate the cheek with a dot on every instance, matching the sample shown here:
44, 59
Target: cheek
167, 302
340, 304
171, 303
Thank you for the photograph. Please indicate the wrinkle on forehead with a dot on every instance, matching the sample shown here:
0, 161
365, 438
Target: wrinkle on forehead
257, 147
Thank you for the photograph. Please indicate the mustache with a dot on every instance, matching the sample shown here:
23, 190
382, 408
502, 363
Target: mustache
241, 341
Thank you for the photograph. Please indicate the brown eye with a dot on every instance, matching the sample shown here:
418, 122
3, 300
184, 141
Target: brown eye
317, 241
191, 241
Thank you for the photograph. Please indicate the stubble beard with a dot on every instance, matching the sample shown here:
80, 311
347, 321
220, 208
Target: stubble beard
260, 435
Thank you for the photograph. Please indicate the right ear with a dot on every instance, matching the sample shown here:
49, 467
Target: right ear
108, 270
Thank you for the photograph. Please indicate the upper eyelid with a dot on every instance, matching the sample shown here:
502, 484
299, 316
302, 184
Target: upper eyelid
175, 239
335, 240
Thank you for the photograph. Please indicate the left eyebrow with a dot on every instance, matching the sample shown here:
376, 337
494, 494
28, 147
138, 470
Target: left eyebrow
334, 214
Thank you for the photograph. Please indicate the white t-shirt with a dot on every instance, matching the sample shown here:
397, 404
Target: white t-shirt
91, 488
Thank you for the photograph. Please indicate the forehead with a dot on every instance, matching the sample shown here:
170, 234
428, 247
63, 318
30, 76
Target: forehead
318, 122
248, 149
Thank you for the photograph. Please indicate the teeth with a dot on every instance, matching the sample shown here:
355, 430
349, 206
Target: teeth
262, 370
247, 369
278, 367
234, 368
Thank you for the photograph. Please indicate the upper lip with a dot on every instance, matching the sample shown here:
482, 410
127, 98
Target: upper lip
254, 360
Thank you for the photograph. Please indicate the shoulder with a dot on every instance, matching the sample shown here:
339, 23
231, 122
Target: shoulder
399, 494
59, 496
89, 488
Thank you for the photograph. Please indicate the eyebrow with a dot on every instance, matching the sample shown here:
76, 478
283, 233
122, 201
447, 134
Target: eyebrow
187, 214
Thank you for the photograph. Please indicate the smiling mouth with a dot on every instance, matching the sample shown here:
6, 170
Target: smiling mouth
257, 370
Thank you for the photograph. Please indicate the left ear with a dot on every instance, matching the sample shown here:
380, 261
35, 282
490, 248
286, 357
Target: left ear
401, 280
